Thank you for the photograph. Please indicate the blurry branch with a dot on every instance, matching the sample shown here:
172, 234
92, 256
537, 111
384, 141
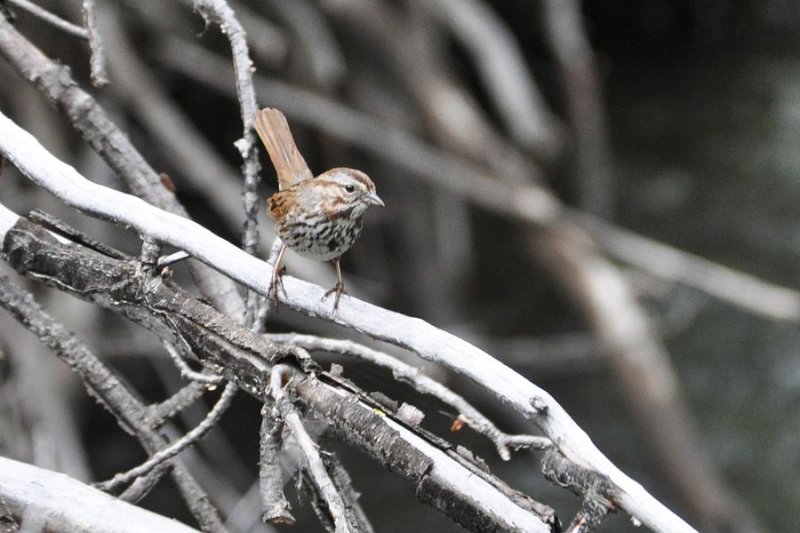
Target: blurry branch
743, 290
403, 372
412, 334
268, 42
530, 203
411, 46
107, 388
503, 70
69, 505
40, 388
527, 203
86, 116
570, 47
51, 19
316, 51
642, 365
545, 354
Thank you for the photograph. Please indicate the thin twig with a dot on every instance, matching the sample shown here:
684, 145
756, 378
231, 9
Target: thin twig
97, 63
179, 445
341, 478
161, 412
279, 383
142, 485
50, 18
422, 383
186, 372
220, 12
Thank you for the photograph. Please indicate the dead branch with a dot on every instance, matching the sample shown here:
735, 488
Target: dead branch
244, 358
99, 131
105, 386
413, 334
55, 507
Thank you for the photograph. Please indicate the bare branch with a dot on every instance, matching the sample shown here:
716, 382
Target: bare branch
68, 505
276, 508
220, 12
110, 142
161, 412
101, 383
178, 446
187, 372
340, 478
239, 354
422, 383
596, 490
280, 384
428, 342
50, 18
97, 62
502, 68
570, 47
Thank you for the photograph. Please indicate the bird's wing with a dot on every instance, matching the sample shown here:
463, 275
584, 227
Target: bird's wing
274, 131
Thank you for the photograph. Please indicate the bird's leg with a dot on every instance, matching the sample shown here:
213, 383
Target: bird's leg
337, 289
276, 283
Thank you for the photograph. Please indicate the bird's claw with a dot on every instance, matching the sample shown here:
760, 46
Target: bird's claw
276, 284
338, 290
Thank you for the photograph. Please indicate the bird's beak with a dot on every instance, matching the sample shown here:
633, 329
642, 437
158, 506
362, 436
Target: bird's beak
374, 199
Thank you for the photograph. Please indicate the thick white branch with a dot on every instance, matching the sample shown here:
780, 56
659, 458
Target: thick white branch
416, 335
64, 504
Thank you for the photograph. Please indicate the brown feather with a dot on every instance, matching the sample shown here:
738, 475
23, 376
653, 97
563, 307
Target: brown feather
277, 206
274, 131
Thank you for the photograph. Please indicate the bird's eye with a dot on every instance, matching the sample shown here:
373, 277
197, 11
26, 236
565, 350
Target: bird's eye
350, 188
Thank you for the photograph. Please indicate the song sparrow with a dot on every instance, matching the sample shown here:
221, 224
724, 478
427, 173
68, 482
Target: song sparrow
319, 218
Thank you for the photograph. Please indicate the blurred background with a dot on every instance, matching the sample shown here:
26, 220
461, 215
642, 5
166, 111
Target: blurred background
676, 120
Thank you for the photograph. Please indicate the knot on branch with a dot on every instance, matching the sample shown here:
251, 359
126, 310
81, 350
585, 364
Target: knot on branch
595, 488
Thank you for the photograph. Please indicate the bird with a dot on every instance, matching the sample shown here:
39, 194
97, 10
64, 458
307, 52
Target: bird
319, 217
